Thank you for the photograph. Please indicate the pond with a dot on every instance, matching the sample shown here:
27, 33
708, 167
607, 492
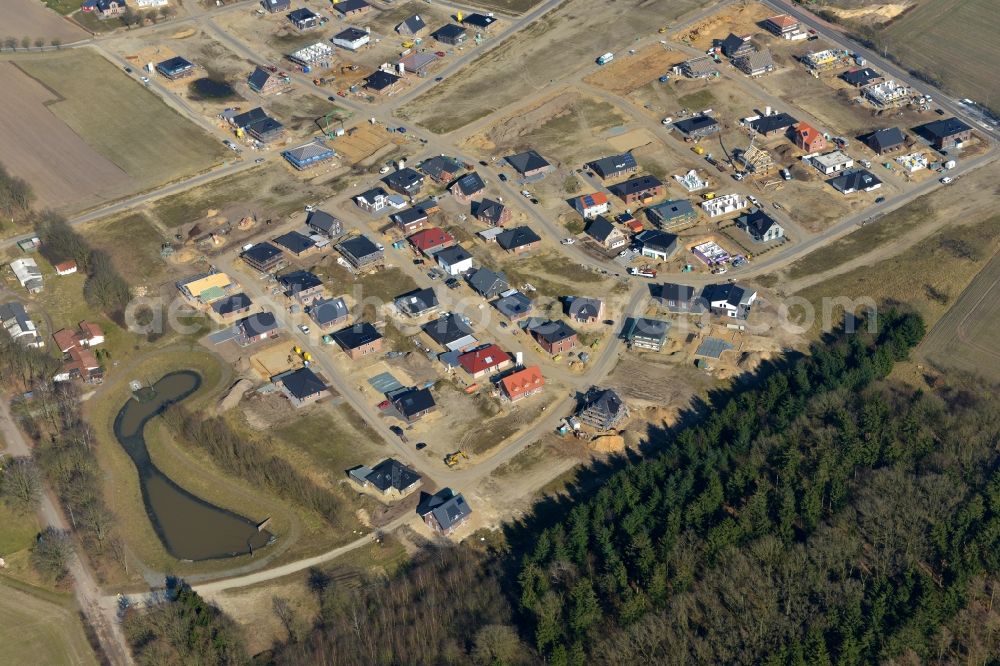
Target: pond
208, 88
189, 527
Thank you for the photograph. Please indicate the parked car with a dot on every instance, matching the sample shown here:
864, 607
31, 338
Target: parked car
418, 262
331, 98
144, 79
421, 446
432, 275
568, 241
128, 70
483, 163
786, 174
439, 79
396, 430
526, 194
385, 404
304, 328
503, 178
384, 169
534, 201
880, 200
752, 199
946, 180
439, 54
777, 205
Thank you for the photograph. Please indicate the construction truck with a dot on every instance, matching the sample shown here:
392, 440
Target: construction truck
453, 459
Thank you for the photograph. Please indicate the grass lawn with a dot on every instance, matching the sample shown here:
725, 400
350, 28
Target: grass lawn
17, 529
133, 243
62, 6
332, 438
386, 285
702, 99
40, 628
550, 274
122, 120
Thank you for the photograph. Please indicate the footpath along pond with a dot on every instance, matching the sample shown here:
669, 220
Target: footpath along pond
189, 527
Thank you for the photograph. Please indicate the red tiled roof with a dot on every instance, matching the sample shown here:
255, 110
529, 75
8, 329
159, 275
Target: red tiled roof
635, 226
65, 266
783, 21
806, 131
65, 339
518, 383
91, 330
429, 238
484, 359
595, 199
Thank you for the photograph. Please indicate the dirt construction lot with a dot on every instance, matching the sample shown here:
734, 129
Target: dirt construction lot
32, 18
119, 134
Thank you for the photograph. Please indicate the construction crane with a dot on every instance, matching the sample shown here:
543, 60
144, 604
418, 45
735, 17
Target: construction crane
327, 122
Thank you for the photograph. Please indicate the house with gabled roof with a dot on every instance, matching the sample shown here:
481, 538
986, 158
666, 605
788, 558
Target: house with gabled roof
359, 340
488, 283
518, 240
760, 226
677, 298
406, 181
444, 512
808, 138
413, 25
614, 166
256, 327
529, 164
485, 361
521, 383
734, 46
352, 7
414, 404
301, 285
232, 306
603, 410
729, 300
886, 140
607, 234
855, 180
772, 125
946, 133
641, 189
467, 187
592, 205
410, 220
656, 244
441, 168
491, 212
859, 78
264, 82
324, 223
554, 336
430, 240
697, 127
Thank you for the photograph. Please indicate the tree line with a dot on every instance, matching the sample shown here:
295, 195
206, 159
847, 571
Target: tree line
16, 197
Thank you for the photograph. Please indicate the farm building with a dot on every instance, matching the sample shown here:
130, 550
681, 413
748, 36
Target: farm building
65, 267
28, 274
529, 163
359, 340
451, 34
444, 511
352, 7
760, 226
264, 82
656, 244
885, 140
360, 251
263, 256
390, 478
781, 25
671, 213
491, 212
304, 18
351, 39
522, 383
697, 126
947, 133
19, 326
381, 82
857, 180
604, 232
309, 155
518, 240
603, 409
302, 386
645, 333
772, 125
412, 26
641, 189
175, 68
701, 67
614, 166
808, 138
555, 337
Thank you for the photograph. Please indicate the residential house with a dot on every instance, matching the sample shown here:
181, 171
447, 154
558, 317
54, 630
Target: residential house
603, 410
734, 46
381, 82
773, 125
485, 361
488, 283
256, 327
360, 252
521, 383
947, 133
264, 82
359, 340
641, 189
451, 331
175, 68
584, 310
672, 213
414, 404
301, 285
656, 244
390, 478
19, 326
205, 288
729, 300
352, 7
755, 63
592, 205
109, 8
677, 298
418, 303
296, 244
859, 78
760, 226
467, 187
309, 155
262, 256
481, 22
444, 512
454, 260
518, 240
301, 386
65, 267
701, 67
555, 337
406, 181
615, 166
856, 180
323, 223
697, 127
351, 39
529, 164
28, 274
232, 306
808, 138
491, 212
373, 201
832, 162
513, 305
604, 232
88, 335
645, 333
451, 34
327, 313
80, 363
411, 26
258, 125
304, 18
441, 168
781, 25
430, 240
275, 6
410, 220
724, 204
886, 140
887, 94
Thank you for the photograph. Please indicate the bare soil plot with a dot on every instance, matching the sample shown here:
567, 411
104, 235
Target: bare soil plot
35, 630
32, 18
383, 22
122, 120
741, 19
560, 44
38, 146
509, 6
625, 74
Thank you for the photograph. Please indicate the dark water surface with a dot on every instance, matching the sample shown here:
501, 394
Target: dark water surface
206, 88
189, 527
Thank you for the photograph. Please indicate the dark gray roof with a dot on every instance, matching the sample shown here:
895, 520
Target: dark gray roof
657, 240
488, 210
174, 65
670, 210
404, 179
409, 216
256, 324
614, 164
479, 20
390, 473
452, 255
301, 15
584, 308
755, 221
378, 80
515, 305
435, 166
372, 194
328, 310
854, 180
860, 77
446, 507
295, 242
230, 304
885, 139
414, 23
669, 291
470, 184
350, 34
695, 124
358, 247
262, 252
733, 44
772, 123
449, 31
943, 128
732, 293
517, 237
357, 335
247, 118
345, 6
297, 281
643, 327
529, 160
607, 403
488, 283
447, 329
302, 383
634, 185
600, 228
258, 78
13, 310
412, 402
417, 301
553, 330
325, 222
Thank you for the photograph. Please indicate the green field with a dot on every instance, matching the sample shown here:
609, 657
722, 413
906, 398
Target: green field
121, 120
952, 42
332, 440
40, 628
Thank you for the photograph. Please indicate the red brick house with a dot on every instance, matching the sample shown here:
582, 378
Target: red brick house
808, 138
555, 337
486, 361
521, 384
